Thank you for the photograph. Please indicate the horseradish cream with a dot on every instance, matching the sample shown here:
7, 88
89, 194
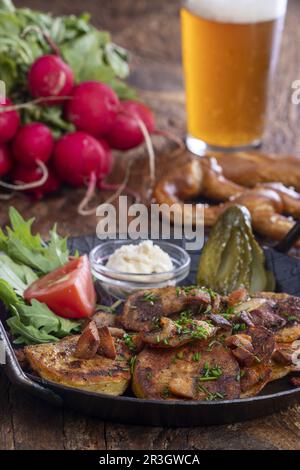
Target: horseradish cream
145, 258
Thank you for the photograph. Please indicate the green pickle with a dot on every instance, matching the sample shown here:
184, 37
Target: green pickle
232, 258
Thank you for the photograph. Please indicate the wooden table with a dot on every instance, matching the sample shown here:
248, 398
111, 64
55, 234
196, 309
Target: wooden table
151, 31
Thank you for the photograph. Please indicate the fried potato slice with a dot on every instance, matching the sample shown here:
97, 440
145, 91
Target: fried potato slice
279, 371
288, 334
193, 371
56, 362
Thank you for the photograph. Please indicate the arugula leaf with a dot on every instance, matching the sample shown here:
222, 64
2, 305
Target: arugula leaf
66, 326
27, 334
7, 294
24, 247
35, 323
57, 250
39, 316
42, 318
22, 229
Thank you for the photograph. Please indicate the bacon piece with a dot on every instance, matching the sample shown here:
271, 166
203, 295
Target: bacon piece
107, 345
88, 342
242, 349
116, 332
240, 341
138, 342
282, 357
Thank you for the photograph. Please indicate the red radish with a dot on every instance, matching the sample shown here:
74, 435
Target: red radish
81, 159
133, 126
78, 155
33, 142
9, 122
126, 132
108, 163
93, 108
5, 161
50, 76
24, 175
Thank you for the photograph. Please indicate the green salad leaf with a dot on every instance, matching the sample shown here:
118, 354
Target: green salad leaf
17, 275
23, 247
35, 323
89, 52
23, 258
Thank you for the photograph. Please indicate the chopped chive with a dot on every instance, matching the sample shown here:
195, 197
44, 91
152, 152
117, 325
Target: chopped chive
150, 297
196, 357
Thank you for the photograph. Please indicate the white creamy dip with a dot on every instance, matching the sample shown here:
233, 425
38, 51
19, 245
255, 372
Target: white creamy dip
145, 258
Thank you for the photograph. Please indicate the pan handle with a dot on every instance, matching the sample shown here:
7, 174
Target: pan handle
19, 378
289, 240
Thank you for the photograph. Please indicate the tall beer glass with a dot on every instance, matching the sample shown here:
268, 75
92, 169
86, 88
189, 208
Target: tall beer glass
230, 50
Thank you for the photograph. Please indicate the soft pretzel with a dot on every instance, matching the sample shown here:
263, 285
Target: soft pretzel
217, 187
251, 168
204, 177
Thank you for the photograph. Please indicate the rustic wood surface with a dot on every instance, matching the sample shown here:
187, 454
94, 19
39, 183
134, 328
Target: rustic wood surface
151, 31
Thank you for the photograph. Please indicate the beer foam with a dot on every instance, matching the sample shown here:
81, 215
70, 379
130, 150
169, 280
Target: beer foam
238, 11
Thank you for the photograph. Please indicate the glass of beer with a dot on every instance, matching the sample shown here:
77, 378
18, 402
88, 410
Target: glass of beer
230, 50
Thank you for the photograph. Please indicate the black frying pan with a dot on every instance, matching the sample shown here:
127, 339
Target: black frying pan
130, 410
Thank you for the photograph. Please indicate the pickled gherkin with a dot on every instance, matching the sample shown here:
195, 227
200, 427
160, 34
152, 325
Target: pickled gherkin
232, 258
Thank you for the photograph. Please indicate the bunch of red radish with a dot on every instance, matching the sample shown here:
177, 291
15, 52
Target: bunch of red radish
32, 161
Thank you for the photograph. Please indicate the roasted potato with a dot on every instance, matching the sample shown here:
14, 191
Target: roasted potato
56, 362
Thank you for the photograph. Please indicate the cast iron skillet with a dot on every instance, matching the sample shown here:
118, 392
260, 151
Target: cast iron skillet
131, 410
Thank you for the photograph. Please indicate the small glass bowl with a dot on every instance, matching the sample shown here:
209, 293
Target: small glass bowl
120, 285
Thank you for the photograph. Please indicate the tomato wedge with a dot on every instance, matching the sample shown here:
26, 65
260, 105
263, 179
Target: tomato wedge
68, 291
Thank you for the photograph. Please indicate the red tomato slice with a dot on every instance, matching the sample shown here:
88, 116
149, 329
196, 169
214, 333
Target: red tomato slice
68, 291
